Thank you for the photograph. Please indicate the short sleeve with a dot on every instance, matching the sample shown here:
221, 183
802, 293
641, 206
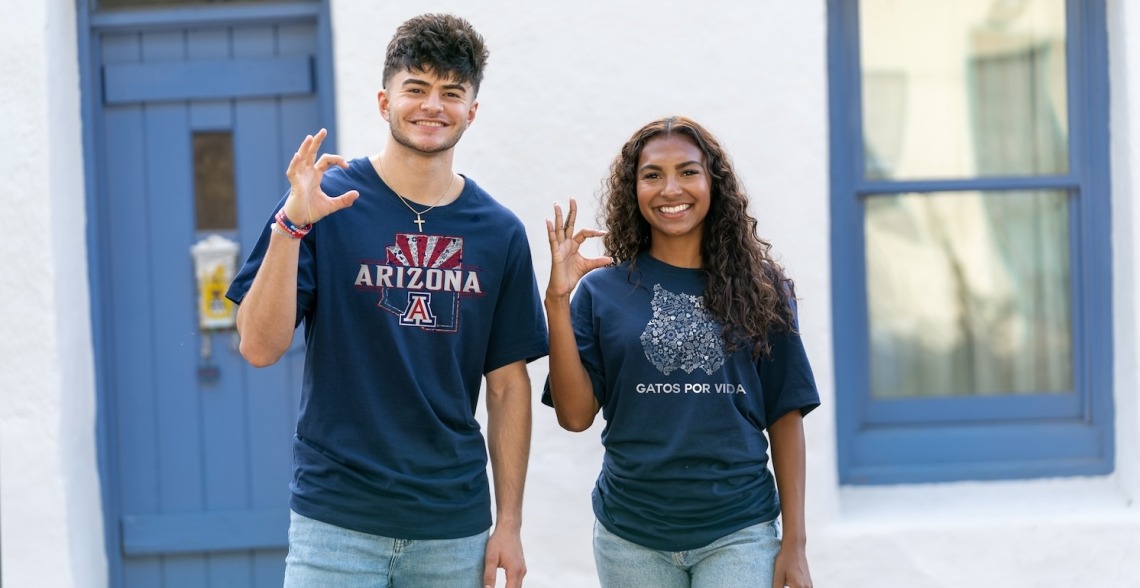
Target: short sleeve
786, 377
306, 282
519, 329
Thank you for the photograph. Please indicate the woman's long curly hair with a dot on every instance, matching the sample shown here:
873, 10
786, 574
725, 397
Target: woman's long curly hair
747, 291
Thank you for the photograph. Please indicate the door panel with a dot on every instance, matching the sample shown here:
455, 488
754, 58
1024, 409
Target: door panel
200, 440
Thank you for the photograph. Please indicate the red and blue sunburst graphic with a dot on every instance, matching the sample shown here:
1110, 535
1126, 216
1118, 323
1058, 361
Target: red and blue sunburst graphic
425, 280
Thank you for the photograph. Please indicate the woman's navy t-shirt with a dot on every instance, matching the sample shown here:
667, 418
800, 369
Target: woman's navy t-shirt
685, 450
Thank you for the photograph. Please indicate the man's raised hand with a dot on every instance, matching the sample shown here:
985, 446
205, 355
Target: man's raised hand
307, 203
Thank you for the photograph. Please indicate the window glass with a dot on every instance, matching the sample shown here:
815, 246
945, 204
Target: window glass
968, 293
963, 88
215, 202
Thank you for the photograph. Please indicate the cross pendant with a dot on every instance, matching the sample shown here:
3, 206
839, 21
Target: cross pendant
419, 222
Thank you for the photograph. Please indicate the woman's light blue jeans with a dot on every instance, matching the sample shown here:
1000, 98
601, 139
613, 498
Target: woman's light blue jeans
321, 554
743, 559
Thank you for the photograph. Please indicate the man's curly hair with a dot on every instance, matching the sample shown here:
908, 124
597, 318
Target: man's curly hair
441, 44
747, 291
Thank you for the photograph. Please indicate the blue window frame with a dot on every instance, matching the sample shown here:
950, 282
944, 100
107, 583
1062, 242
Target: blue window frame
971, 293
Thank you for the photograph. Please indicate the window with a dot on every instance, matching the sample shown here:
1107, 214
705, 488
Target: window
970, 252
215, 191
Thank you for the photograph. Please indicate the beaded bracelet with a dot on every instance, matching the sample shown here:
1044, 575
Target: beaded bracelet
288, 226
276, 229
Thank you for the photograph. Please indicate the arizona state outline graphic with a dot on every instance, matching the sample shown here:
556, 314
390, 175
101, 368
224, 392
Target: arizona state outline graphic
421, 280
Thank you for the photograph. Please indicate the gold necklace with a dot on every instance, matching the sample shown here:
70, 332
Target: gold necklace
419, 214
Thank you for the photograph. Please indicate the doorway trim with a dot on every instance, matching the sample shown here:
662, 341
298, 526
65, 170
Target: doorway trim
90, 24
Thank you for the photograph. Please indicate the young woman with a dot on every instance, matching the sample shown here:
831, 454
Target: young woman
684, 336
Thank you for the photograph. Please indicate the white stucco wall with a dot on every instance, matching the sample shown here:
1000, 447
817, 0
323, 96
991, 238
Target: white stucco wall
1124, 57
51, 525
566, 85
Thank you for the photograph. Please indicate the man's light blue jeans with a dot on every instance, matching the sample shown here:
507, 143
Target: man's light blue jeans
321, 554
744, 559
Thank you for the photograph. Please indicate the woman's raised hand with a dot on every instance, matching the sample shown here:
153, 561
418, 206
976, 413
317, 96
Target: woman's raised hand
567, 265
307, 203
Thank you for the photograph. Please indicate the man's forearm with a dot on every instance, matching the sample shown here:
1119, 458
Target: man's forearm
267, 315
508, 439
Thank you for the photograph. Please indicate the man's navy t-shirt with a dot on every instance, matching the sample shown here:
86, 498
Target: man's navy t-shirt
400, 327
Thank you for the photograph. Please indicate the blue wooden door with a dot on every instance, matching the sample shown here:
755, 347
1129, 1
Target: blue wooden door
196, 126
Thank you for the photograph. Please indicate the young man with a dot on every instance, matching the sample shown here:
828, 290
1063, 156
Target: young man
413, 284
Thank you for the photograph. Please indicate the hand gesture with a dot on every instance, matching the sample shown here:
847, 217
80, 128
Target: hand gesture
307, 203
567, 265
